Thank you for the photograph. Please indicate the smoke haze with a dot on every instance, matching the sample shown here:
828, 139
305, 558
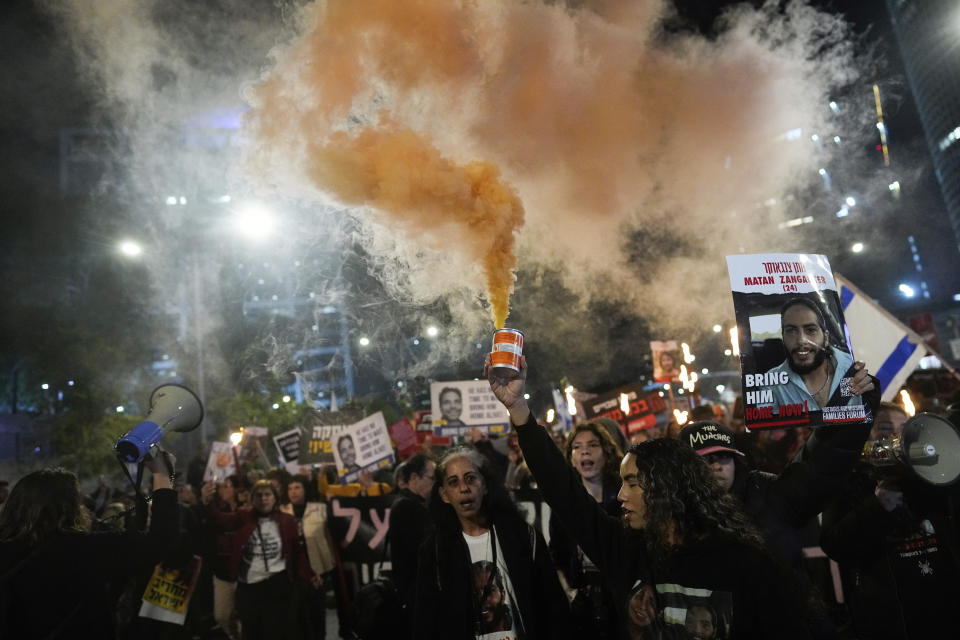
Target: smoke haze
608, 129
476, 140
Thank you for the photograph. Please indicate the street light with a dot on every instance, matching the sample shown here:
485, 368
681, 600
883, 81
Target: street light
253, 221
906, 290
364, 341
857, 247
130, 248
432, 332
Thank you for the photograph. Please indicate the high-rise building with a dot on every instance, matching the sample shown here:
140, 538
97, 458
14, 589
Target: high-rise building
928, 32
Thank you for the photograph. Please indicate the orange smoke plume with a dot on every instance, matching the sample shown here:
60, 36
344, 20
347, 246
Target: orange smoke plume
397, 172
311, 97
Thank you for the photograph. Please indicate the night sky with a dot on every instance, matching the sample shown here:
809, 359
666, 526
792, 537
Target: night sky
46, 245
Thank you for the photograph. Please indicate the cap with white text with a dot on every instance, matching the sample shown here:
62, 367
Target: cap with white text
708, 437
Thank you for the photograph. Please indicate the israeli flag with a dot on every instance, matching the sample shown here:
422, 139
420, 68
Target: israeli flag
560, 407
890, 349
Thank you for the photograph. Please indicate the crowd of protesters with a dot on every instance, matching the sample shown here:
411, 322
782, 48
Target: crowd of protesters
678, 531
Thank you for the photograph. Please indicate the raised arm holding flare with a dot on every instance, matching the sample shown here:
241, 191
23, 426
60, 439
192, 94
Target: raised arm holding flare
684, 537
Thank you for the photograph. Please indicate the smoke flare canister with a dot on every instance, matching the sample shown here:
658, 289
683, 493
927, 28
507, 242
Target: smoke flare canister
507, 349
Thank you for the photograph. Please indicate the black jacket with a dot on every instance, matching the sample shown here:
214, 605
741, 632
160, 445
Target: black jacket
410, 524
899, 583
444, 602
742, 584
62, 586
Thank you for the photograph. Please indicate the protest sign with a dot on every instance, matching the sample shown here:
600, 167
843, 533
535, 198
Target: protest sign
168, 592
629, 405
288, 445
318, 430
666, 360
404, 438
457, 407
364, 445
795, 355
220, 462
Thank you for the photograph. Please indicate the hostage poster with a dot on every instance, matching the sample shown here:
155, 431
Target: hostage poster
456, 407
364, 445
795, 356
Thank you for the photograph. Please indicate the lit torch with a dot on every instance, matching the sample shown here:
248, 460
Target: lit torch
907, 401
571, 402
625, 404
735, 342
680, 417
235, 439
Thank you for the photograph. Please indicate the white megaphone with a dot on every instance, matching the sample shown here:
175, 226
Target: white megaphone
172, 408
929, 446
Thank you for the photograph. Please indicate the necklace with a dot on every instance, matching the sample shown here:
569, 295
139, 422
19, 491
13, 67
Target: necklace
826, 379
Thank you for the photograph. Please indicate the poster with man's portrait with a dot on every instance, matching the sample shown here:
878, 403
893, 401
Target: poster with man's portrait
795, 355
456, 407
667, 359
362, 446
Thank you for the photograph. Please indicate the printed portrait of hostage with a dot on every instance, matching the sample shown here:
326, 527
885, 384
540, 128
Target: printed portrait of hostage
815, 372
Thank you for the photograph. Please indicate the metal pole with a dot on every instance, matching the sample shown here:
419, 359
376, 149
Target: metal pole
198, 334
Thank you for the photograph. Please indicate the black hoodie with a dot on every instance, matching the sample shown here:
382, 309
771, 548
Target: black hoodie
735, 586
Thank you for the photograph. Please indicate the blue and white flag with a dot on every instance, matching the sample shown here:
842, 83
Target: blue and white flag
891, 349
560, 407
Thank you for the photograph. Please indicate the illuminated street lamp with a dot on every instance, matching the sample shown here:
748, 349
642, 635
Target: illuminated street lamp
130, 248
253, 221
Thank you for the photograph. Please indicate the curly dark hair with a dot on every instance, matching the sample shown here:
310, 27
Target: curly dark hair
682, 499
612, 455
495, 503
43, 503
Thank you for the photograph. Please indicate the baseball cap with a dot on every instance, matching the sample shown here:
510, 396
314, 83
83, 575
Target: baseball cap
708, 437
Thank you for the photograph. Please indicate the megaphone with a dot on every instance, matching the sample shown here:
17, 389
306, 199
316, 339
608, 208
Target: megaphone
929, 446
172, 408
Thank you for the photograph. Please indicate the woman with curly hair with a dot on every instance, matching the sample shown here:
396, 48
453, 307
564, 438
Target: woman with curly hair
683, 533
596, 458
484, 573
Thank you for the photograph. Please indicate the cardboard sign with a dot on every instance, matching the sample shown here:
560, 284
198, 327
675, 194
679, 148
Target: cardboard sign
168, 592
795, 353
404, 438
364, 445
288, 445
667, 359
220, 462
629, 405
457, 407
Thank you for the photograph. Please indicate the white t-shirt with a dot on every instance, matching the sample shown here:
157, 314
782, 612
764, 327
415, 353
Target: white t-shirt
254, 568
498, 609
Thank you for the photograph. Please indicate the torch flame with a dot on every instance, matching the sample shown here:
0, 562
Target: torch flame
571, 402
236, 437
907, 401
680, 417
551, 414
735, 341
625, 404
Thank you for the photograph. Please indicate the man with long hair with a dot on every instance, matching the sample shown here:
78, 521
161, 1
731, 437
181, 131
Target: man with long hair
54, 573
683, 533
